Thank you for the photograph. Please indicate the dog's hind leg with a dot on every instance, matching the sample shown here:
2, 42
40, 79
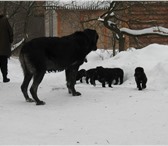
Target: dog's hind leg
71, 80
24, 86
37, 78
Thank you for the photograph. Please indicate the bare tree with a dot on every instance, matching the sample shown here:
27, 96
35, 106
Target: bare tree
117, 14
20, 14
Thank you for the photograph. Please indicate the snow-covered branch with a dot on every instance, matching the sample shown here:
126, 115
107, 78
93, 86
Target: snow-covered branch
147, 31
157, 30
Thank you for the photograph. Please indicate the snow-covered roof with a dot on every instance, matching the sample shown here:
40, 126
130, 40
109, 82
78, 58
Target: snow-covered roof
78, 4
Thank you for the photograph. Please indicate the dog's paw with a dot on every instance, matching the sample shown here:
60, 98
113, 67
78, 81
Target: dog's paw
29, 100
40, 103
76, 94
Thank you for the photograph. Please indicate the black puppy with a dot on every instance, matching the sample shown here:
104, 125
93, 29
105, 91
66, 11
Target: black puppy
55, 53
105, 75
119, 75
140, 78
90, 75
81, 73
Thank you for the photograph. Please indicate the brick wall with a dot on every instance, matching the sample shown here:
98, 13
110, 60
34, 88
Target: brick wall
156, 12
69, 21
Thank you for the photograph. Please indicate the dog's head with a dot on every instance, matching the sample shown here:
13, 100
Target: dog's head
93, 38
139, 71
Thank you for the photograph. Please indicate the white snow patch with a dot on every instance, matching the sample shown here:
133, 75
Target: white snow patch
118, 115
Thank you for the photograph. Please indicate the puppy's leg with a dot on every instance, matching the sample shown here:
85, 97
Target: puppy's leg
139, 86
71, 81
87, 79
143, 84
103, 83
92, 80
121, 79
110, 83
24, 86
81, 80
33, 90
116, 81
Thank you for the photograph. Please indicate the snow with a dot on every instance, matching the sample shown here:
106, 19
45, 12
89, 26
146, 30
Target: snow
78, 4
118, 115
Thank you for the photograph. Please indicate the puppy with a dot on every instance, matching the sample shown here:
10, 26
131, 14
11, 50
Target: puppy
90, 75
140, 78
119, 75
81, 73
105, 75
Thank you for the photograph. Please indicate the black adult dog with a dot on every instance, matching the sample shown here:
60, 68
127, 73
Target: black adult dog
55, 53
140, 78
81, 73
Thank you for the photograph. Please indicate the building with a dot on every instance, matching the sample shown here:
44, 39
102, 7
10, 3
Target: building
54, 19
62, 19
155, 13
67, 18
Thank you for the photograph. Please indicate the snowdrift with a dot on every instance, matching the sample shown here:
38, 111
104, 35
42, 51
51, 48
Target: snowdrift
118, 115
153, 58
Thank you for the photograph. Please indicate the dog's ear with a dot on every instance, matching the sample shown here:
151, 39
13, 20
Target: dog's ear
92, 34
141, 69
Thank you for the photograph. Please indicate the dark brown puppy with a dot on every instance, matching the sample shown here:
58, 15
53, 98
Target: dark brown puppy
140, 78
55, 53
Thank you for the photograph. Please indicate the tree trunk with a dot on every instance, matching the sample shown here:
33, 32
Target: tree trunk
121, 43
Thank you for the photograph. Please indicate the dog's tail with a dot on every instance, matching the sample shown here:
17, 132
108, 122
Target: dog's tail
24, 62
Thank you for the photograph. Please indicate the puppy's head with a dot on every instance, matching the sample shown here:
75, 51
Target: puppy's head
139, 71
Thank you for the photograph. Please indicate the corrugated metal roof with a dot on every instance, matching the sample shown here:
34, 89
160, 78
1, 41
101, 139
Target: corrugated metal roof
78, 4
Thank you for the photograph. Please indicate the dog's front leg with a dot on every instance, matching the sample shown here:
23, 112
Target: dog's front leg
139, 85
71, 80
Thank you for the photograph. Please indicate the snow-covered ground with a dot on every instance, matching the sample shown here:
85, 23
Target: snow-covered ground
118, 115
